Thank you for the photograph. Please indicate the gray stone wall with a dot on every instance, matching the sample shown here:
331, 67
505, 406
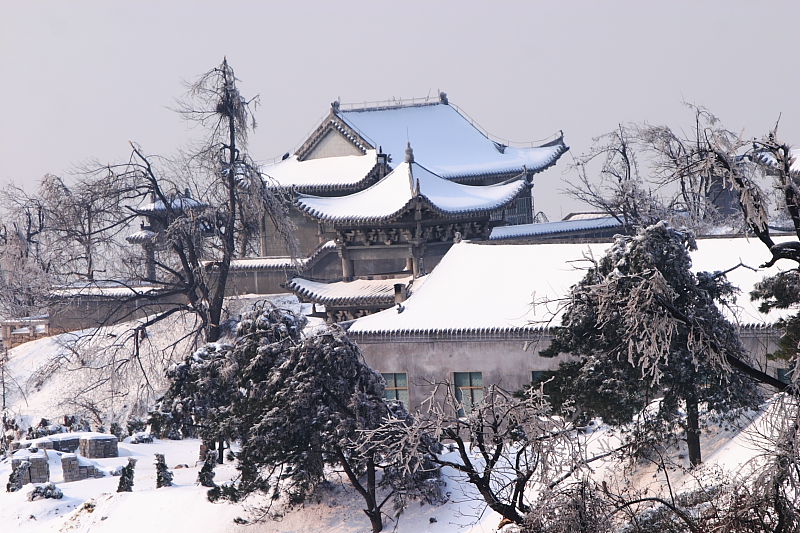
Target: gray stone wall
99, 447
80, 312
39, 472
507, 362
74, 471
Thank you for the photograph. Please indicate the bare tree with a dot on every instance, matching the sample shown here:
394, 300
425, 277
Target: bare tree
510, 449
619, 189
198, 235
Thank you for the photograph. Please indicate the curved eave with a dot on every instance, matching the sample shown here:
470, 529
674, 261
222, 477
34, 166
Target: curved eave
372, 300
453, 176
409, 206
329, 186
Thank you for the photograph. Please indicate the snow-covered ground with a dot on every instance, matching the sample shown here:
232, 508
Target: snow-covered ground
94, 505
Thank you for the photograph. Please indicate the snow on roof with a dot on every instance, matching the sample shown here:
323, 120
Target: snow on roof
585, 215
493, 287
360, 291
768, 159
279, 262
328, 172
445, 141
110, 289
392, 194
179, 202
549, 228
141, 236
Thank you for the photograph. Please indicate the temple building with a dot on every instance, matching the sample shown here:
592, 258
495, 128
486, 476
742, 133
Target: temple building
382, 192
356, 146
487, 310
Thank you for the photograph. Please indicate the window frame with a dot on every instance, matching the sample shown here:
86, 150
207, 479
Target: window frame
475, 393
393, 391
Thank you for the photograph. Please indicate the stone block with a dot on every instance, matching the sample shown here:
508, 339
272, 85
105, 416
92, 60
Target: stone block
99, 446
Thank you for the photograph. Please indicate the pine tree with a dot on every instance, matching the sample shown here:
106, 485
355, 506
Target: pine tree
163, 474
295, 403
643, 327
197, 399
206, 475
126, 478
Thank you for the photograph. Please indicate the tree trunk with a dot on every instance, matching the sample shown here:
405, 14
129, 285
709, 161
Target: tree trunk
693, 431
375, 519
220, 456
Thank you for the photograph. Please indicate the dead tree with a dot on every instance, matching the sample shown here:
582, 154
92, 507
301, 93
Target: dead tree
509, 448
197, 234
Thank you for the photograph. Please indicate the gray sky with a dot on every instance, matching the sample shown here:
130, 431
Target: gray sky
82, 78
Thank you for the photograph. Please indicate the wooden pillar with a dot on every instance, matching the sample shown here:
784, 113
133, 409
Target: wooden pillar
347, 265
262, 236
150, 261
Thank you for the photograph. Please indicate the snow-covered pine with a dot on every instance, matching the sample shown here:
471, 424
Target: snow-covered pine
163, 474
644, 326
295, 403
206, 475
126, 476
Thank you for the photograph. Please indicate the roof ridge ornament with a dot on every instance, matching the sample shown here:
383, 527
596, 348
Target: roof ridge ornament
335, 105
409, 153
443, 98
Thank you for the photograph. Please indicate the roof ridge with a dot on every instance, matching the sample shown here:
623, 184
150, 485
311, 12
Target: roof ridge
385, 105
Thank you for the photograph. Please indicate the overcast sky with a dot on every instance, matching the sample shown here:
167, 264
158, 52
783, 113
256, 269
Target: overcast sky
82, 78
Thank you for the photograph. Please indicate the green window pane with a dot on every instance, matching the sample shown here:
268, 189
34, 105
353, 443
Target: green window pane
402, 395
477, 396
476, 379
401, 380
461, 379
389, 378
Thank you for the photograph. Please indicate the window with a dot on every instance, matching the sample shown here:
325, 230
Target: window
784, 374
469, 390
396, 387
541, 375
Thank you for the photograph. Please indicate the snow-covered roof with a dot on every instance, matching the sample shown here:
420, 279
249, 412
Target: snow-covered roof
445, 141
326, 173
280, 262
107, 289
343, 293
549, 228
179, 202
390, 196
768, 159
141, 237
493, 287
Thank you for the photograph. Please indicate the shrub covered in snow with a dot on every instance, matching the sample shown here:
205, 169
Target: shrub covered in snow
48, 491
142, 437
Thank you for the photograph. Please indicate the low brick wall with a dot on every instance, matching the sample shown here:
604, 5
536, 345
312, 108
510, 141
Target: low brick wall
39, 472
66, 445
99, 446
75, 471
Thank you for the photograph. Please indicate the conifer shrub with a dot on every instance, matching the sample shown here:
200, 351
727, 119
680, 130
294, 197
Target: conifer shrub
126, 476
163, 474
